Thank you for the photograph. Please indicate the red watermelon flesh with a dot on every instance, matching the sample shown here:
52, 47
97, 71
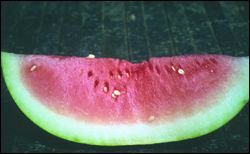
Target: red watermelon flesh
105, 90
106, 101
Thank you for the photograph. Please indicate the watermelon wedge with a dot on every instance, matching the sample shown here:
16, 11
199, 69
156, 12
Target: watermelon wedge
105, 101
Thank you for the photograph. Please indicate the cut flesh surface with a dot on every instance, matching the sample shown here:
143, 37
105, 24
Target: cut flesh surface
106, 101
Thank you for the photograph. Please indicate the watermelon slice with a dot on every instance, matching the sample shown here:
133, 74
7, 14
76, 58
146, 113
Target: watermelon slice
106, 101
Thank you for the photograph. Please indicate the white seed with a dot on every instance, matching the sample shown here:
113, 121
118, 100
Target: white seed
211, 71
117, 92
113, 95
181, 71
119, 76
33, 68
105, 89
127, 74
91, 56
151, 118
173, 68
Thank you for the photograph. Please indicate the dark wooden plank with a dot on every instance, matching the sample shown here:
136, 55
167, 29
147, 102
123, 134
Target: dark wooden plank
239, 24
136, 32
201, 30
48, 30
22, 31
113, 30
223, 33
69, 40
158, 30
243, 8
125, 31
27, 27
44, 6
91, 31
180, 30
11, 15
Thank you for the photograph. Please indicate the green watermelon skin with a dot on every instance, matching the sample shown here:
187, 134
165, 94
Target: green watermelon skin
187, 119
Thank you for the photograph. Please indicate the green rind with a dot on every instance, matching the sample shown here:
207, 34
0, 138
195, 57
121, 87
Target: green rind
229, 103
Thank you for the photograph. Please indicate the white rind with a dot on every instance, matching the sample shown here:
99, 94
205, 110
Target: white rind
229, 103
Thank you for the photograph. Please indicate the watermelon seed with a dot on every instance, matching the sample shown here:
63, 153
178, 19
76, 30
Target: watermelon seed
197, 62
157, 69
90, 73
173, 68
119, 77
181, 71
91, 56
96, 83
127, 72
106, 87
117, 92
213, 60
119, 74
111, 74
113, 95
33, 68
150, 67
151, 118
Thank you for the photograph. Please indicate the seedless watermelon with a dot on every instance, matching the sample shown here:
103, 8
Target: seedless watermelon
106, 101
